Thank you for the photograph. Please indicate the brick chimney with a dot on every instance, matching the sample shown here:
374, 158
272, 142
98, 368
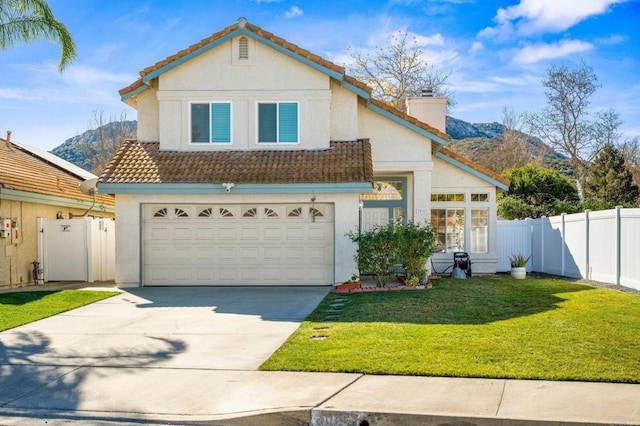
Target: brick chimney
429, 109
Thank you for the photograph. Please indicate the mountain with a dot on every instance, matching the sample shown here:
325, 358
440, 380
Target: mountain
470, 139
81, 149
476, 140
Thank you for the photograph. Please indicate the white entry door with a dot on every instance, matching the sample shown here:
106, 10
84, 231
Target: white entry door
374, 216
248, 244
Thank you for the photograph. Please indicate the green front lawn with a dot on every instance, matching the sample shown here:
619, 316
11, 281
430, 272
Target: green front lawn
501, 328
24, 307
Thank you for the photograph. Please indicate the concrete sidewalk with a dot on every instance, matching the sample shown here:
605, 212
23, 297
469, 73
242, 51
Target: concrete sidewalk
183, 356
180, 396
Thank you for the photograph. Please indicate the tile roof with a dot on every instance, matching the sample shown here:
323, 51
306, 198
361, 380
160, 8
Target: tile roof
475, 166
23, 170
143, 162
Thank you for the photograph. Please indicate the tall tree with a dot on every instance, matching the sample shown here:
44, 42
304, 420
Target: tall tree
631, 153
26, 21
565, 123
398, 70
609, 182
537, 191
511, 150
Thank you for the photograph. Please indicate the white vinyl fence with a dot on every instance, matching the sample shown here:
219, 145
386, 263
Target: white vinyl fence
600, 246
76, 249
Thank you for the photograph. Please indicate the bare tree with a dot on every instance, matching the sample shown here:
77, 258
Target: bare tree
564, 124
511, 149
398, 70
107, 137
631, 153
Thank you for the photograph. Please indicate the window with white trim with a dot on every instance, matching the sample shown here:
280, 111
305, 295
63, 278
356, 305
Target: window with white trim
278, 122
449, 226
211, 122
480, 230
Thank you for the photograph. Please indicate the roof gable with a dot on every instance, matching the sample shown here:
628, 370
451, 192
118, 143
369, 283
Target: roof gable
293, 51
242, 27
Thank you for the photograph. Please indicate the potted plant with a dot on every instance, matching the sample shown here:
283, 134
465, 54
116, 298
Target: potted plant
518, 266
350, 284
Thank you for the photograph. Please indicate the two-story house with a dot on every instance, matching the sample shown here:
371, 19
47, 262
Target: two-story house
254, 158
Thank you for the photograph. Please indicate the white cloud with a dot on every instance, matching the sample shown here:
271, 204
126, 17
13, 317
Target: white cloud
545, 16
476, 46
611, 40
537, 52
293, 12
434, 40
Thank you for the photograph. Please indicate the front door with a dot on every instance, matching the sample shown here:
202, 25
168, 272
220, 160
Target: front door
374, 216
386, 204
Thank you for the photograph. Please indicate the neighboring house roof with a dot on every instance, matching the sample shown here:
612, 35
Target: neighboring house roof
335, 71
54, 159
27, 170
144, 163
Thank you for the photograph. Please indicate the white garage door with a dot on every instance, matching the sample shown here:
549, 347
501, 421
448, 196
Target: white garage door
249, 244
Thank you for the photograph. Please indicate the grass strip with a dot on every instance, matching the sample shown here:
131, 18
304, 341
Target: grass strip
21, 308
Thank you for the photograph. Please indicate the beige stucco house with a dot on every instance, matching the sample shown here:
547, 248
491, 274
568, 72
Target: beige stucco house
254, 158
34, 185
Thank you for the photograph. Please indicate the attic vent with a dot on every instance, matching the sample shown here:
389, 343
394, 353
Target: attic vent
243, 48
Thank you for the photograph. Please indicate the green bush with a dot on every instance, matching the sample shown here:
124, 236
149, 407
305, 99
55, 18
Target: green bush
376, 250
415, 246
384, 246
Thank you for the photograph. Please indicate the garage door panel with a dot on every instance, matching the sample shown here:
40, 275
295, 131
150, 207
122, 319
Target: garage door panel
319, 233
294, 233
228, 233
249, 233
182, 255
217, 245
205, 233
321, 254
294, 254
272, 232
205, 274
160, 233
182, 233
249, 254
158, 254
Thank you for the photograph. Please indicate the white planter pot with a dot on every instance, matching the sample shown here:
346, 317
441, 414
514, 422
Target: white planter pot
519, 273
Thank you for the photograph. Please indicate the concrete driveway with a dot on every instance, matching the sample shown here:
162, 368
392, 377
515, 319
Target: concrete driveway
157, 351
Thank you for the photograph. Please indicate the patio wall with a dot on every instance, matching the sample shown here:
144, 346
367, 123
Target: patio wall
600, 246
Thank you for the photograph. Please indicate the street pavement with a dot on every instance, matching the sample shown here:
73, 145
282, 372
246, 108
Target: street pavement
190, 356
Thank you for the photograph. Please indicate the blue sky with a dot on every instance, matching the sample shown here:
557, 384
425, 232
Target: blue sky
496, 51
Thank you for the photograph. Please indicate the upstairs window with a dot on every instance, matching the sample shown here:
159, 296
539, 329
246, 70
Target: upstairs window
211, 122
278, 122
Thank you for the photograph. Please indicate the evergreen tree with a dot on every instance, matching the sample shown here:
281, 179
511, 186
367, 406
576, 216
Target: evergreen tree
609, 182
537, 191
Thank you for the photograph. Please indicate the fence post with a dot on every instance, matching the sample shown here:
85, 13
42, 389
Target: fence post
563, 246
587, 270
542, 244
618, 242
529, 223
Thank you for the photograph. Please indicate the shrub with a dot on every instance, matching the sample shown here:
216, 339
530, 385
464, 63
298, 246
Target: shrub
383, 246
376, 251
415, 246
